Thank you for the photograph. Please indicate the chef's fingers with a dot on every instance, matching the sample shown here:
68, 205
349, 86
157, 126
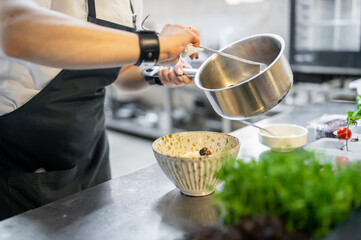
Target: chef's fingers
175, 79
173, 39
178, 68
168, 77
184, 63
186, 79
196, 44
163, 76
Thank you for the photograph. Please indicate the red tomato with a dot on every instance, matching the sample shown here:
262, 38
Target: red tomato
341, 133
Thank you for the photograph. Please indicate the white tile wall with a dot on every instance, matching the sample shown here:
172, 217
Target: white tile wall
219, 23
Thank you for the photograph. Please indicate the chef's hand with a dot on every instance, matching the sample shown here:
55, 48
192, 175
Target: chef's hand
174, 76
173, 39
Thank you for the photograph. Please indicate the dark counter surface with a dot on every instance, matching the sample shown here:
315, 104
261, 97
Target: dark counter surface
133, 206
144, 204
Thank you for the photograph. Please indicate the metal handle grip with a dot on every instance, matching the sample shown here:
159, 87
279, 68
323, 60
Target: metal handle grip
151, 74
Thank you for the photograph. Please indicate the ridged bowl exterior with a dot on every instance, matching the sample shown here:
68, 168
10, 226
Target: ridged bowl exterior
194, 176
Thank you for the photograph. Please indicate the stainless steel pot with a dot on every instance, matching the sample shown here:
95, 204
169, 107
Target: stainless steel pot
234, 89
238, 90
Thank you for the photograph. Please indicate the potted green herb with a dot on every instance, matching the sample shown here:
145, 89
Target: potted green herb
284, 196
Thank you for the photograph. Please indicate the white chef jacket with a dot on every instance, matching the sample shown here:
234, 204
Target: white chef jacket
21, 80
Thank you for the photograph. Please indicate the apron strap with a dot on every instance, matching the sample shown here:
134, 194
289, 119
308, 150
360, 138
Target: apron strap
134, 15
92, 14
91, 10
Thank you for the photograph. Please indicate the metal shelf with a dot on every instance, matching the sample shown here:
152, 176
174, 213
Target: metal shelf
132, 127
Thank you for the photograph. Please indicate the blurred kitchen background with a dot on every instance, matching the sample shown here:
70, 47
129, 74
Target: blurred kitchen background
322, 44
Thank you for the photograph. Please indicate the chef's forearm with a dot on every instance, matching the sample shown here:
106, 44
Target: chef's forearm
130, 79
46, 37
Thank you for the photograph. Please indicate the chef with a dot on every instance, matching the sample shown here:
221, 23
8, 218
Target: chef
56, 58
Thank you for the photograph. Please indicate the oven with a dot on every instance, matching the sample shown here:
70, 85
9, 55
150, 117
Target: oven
325, 37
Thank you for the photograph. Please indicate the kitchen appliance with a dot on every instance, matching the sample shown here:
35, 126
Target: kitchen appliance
237, 93
325, 37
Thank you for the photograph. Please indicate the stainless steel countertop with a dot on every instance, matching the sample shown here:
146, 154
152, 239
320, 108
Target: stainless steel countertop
302, 115
145, 204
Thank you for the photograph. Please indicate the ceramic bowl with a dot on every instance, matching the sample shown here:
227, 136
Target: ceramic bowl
285, 138
192, 174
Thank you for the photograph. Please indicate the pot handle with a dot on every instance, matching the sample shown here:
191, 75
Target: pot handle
151, 74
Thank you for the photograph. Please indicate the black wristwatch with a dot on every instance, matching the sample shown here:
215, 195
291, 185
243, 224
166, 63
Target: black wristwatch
149, 48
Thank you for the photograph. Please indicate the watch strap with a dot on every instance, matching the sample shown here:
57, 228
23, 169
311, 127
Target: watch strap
149, 48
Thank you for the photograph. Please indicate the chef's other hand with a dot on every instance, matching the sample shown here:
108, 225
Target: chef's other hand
174, 76
173, 39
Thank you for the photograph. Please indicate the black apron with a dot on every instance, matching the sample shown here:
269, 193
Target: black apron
60, 129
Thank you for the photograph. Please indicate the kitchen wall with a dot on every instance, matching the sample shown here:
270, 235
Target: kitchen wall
219, 23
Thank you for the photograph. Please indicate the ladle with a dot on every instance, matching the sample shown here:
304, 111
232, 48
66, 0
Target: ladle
261, 65
256, 126
190, 49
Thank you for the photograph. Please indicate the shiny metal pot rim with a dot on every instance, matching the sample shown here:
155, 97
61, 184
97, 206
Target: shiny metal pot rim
271, 35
